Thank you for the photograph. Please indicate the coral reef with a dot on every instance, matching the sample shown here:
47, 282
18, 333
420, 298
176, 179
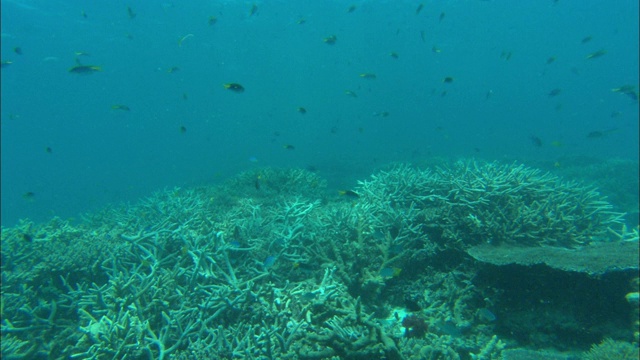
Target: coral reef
270, 265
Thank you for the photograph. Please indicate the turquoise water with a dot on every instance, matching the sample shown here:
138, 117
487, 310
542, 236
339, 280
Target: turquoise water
496, 52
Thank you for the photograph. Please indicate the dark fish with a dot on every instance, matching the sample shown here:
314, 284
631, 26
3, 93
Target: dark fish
598, 134
235, 87
302, 110
183, 129
536, 141
17, 50
29, 195
27, 237
212, 20
48, 149
419, 9
120, 107
348, 193
254, 10
256, 183
288, 147
441, 17
330, 39
393, 55
368, 76
628, 90
85, 69
447, 80
5, 63
554, 92
551, 60
173, 69
586, 39
351, 9
83, 14
130, 13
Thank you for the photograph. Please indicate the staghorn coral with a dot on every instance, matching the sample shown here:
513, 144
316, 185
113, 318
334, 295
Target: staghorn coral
469, 203
182, 274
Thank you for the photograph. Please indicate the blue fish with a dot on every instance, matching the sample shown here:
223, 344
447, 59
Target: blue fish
269, 261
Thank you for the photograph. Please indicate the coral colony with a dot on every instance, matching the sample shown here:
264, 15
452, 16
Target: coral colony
270, 265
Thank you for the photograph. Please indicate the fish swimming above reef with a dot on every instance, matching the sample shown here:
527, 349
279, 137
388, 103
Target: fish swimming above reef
348, 193
368, 76
628, 90
598, 134
596, 54
235, 87
120, 107
85, 69
330, 39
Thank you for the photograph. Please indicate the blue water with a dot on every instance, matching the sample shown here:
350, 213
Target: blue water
100, 156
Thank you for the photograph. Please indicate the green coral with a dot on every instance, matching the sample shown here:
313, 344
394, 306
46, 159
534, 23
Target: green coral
610, 349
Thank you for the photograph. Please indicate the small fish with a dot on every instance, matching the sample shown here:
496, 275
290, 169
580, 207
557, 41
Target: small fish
173, 69
29, 195
235, 87
5, 63
120, 107
288, 147
551, 59
381, 114
486, 315
256, 183
586, 39
85, 69
393, 55
330, 39
183, 129
436, 50
390, 272
536, 141
130, 13
423, 36
17, 50
628, 90
182, 39
83, 14
615, 114
301, 21
597, 134
447, 80
269, 262
302, 110
27, 237
254, 10
442, 15
506, 55
596, 54
368, 76
348, 193
419, 9
396, 249
350, 93
351, 9
555, 92
308, 296
81, 53
48, 149
212, 20
556, 143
